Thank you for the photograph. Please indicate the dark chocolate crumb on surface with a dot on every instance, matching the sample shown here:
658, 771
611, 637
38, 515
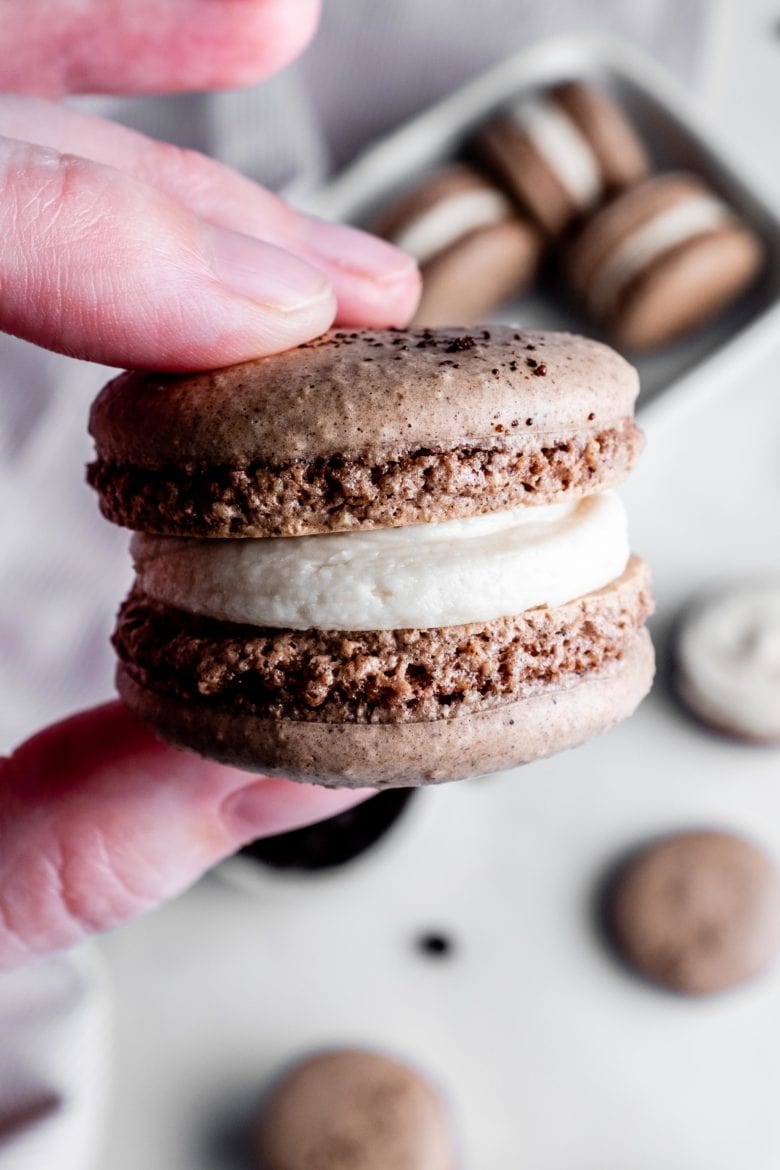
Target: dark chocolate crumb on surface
435, 945
460, 344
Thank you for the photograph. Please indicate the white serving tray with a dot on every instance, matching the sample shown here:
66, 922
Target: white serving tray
678, 138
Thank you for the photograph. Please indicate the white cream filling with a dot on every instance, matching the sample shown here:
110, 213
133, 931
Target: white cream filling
678, 223
562, 145
442, 225
729, 661
428, 575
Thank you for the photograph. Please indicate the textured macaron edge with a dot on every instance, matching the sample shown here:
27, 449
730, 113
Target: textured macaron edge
365, 430
398, 755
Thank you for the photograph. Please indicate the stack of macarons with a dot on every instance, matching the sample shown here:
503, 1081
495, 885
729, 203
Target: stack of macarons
563, 172
388, 558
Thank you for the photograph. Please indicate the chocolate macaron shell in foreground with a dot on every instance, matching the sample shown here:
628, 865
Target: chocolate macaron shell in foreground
365, 430
660, 260
386, 755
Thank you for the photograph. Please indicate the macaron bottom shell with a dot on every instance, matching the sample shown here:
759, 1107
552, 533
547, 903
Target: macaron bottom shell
686, 288
477, 275
354, 755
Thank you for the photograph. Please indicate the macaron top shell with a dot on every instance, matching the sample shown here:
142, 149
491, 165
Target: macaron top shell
374, 392
365, 430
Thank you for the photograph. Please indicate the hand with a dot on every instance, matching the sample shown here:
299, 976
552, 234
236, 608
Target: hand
131, 252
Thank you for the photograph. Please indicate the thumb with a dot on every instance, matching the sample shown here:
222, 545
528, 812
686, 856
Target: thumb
100, 821
101, 266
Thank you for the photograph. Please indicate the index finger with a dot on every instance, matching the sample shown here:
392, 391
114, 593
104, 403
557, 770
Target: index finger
54, 47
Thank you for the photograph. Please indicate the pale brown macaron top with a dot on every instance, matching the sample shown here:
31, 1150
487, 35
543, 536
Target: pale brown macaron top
365, 430
474, 249
697, 912
661, 259
561, 152
354, 1109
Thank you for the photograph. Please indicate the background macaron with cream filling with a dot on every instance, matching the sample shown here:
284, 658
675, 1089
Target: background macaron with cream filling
661, 259
474, 249
387, 558
561, 152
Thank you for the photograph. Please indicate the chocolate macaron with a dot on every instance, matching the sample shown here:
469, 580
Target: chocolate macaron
661, 259
354, 1109
560, 152
697, 912
386, 557
474, 250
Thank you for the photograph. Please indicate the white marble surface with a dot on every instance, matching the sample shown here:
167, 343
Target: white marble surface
551, 1056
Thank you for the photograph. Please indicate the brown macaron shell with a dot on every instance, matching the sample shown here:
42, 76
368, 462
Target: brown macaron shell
485, 269
378, 676
697, 912
480, 269
510, 153
684, 286
353, 1109
365, 430
621, 153
386, 755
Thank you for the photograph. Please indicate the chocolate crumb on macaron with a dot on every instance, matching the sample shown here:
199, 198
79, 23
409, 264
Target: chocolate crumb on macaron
726, 660
474, 250
354, 1109
696, 912
561, 152
662, 259
385, 558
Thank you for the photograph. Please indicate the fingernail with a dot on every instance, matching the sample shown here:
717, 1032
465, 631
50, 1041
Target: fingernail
264, 273
358, 251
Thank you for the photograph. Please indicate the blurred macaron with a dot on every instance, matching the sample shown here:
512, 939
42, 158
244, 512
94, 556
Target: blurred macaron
661, 259
726, 660
561, 152
696, 912
474, 250
354, 1109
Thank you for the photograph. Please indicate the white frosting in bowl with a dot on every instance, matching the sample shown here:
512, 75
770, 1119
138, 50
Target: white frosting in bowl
728, 661
421, 576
